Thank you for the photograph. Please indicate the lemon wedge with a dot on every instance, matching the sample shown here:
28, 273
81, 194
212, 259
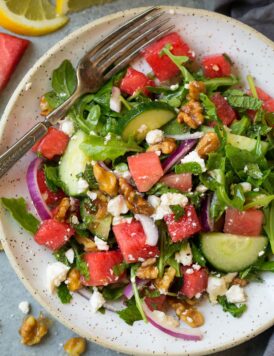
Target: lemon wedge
65, 6
30, 17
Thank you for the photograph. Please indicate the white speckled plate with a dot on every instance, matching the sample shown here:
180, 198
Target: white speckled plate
207, 33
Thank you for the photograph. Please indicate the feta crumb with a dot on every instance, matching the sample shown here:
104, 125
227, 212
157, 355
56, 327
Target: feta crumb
66, 125
92, 195
184, 256
158, 153
236, 294
174, 199
154, 136
164, 318
101, 244
198, 295
74, 220
261, 253
70, 255
189, 271
24, 307
96, 300
215, 287
174, 87
28, 86
245, 169
246, 186
121, 220
215, 67
196, 267
142, 128
56, 273
117, 206
194, 157
154, 201
186, 86
256, 189
201, 188
82, 185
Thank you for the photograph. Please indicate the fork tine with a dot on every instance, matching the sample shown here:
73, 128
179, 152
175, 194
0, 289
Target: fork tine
118, 31
128, 47
120, 41
128, 58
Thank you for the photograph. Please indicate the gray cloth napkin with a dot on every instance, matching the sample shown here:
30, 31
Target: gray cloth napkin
260, 15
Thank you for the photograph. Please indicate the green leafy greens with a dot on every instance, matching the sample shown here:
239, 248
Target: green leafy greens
231, 308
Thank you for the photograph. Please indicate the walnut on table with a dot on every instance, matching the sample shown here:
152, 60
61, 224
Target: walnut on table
33, 330
75, 346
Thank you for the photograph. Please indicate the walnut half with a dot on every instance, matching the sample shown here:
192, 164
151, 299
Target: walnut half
192, 114
33, 330
75, 346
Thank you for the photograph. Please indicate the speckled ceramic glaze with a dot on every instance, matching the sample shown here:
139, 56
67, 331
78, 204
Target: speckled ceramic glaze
206, 33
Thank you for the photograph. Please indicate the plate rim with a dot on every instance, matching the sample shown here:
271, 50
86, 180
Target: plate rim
8, 109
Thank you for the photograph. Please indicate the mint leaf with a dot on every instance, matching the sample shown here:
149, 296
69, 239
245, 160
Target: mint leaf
18, 209
244, 102
231, 308
63, 293
209, 108
64, 80
131, 313
239, 127
189, 167
90, 178
111, 293
178, 212
60, 255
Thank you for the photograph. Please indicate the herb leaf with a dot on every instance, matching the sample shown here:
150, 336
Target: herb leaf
111, 293
178, 210
189, 167
52, 178
131, 313
231, 308
18, 209
63, 293
244, 102
197, 255
120, 268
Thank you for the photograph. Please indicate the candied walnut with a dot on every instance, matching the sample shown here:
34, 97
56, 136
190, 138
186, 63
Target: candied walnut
207, 144
195, 89
148, 272
192, 114
62, 209
241, 282
75, 346
186, 313
33, 330
164, 283
135, 202
102, 208
149, 262
89, 245
74, 280
44, 106
107, 180
167, 146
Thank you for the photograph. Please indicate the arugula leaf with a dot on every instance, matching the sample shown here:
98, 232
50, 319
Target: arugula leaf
209, 108
160, 188
120, 268
90, 178
131, 313
231, 308
52, 178
214, 83
178, 210
267, 266
178, 61
63, 293
138, 302
175, 97
93, 117
64, 80
60, 255
197, 255
253, 271
81, 264
238, 200
189, 167
258, 129
18, 210
244, 102
240, 127
269, 224
173, 127
260, 200
111, 293
101, 148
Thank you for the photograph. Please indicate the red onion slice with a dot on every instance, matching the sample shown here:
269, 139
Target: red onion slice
150, 229
179, 153
187, 136
206, 221
128, 291
180, 333
35, 194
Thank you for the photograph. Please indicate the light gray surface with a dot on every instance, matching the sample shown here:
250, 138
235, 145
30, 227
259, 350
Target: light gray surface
11, 289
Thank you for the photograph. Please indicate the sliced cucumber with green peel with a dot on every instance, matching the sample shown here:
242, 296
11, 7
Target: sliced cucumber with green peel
143, 118
244, 143
73, 163
231, 253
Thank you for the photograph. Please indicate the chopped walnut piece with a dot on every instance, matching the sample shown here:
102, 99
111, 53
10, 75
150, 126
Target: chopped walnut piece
89, 245
33, 330
207, 144
192, 114
164, 283
167, 146
195, 89
75, 346
149, 262
148, 272
135, 202
107, 180
62, 209
74, 280
186, 313
44, 106
241, 282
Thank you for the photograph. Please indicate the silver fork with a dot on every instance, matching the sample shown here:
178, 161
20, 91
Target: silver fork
97, 66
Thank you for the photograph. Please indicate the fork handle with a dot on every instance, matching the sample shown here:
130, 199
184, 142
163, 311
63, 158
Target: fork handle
15, 152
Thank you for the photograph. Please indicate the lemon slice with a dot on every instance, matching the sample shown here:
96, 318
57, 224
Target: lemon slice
30, 17
65, 6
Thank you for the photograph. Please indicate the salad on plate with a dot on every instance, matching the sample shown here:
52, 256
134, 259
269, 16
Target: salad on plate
157, 191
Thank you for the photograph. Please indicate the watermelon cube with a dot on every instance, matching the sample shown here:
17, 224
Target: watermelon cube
162, 66
135, 80
215, 66
182, 181
146, 170
131, 239
11, 48
194, 281
223, 109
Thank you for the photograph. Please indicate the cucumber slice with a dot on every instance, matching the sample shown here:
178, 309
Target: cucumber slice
143, 118
244, 143
231, 253
73, 163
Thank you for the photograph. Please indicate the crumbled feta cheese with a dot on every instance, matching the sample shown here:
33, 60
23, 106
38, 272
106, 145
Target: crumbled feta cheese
101, 244
184, 256
66, 125
56, 273
189, 271
122, 173
121, 220
198, 295
92, 195
215, 287
24, 307
186, 86
215, 67
96, 300
154, 136
246, 186
74, 220
196, 267
201, 188
158, 153
236, 294
70, 255
117, 206
194, 157
174, 87
28, 86
245, 169
166, 319
142, 128
154, 201
82, 185
192, 53
174, 199
115, 100
261, 253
